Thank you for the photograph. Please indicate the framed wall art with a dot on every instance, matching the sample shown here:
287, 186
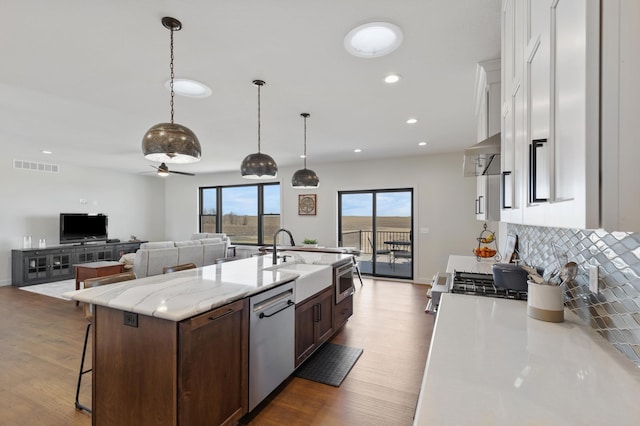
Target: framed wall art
307, 204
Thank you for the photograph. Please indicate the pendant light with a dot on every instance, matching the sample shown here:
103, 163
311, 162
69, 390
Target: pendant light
171, 142
305, 178
258, 165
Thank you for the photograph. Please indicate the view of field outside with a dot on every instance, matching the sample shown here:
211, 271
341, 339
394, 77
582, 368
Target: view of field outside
393, 219
240, 212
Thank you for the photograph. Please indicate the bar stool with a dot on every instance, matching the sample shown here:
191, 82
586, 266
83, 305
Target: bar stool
88, 314
176, 268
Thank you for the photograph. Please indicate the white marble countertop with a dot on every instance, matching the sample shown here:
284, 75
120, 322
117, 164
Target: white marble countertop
490, 364
181, 295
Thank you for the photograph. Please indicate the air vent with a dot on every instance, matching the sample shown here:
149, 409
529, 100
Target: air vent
36, 167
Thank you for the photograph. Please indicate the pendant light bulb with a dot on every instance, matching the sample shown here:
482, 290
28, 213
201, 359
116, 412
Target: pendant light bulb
258, 165
305, 178
171, 142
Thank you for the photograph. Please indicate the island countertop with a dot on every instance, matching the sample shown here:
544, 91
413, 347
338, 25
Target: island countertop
490, 364
183, 294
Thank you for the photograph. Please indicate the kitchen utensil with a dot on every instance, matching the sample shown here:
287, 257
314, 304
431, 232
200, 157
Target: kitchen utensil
568, 272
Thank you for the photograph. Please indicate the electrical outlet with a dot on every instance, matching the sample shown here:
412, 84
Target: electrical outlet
131, 319
593, 278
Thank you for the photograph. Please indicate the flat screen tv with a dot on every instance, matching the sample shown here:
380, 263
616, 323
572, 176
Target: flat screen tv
82, 228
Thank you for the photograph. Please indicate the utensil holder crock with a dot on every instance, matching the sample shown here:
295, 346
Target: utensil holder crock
545, 302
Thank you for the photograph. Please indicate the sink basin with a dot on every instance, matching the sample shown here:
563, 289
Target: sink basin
311, 280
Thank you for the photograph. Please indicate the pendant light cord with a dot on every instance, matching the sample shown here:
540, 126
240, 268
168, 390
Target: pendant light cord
259, 85
171, 73
305, 142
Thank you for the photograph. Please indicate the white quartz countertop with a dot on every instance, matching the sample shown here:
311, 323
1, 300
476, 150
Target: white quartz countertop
490, 364
181, 295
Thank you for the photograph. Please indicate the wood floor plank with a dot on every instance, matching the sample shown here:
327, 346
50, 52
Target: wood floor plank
41, 343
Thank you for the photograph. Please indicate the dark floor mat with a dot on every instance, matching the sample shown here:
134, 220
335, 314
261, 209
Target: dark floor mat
330, 365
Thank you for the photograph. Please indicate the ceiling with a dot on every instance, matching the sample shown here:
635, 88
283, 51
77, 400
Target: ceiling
85, 79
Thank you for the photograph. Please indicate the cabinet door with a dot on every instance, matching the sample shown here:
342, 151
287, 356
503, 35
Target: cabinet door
575, 62
61, 265
324, 321
538, 120
212, 379
306, 315
36, 267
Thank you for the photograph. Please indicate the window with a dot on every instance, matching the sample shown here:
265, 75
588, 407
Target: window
248, 214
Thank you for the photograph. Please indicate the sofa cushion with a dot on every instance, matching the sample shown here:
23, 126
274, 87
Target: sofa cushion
160, 258
187, 243
158, 245
191, 253
128, 260
208, 241
213, 251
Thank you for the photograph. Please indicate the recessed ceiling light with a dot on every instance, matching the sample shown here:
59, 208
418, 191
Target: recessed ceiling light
392, 78
422, 144
189, 88
357, 150
412, 121
303, 156
373, 40
44, 151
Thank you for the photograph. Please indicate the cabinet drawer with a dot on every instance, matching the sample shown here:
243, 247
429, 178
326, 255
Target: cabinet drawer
342, 312
216, 314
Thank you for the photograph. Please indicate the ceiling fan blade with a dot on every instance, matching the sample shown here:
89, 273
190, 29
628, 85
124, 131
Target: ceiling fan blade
181, 173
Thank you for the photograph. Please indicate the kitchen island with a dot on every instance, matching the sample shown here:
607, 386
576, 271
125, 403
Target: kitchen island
489, 363
174, 349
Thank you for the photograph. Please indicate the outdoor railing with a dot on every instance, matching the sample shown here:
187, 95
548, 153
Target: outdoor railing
363, 240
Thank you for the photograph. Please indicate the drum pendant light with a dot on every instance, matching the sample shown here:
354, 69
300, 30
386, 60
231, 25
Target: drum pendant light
258, 165
305, 178
171, 142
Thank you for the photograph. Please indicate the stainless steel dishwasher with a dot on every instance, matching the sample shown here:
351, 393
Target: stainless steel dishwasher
271, 341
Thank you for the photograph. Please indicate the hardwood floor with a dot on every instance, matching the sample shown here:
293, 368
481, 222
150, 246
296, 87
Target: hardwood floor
41, 344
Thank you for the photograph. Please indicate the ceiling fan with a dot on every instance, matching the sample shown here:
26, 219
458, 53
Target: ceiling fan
163, 171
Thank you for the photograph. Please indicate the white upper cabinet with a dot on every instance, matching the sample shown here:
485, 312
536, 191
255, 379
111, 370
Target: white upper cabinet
511, 179
561, 166
488, 103
620, 123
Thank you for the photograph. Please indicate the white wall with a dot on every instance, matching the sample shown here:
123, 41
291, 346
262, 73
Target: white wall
443, 203
32, 203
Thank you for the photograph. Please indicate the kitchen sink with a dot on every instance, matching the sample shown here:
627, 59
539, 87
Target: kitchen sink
312, 278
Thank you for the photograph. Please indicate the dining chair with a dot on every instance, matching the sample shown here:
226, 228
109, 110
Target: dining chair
380, 252
176, 268
88, 314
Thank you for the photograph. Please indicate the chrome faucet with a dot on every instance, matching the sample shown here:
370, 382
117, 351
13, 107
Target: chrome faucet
275, 247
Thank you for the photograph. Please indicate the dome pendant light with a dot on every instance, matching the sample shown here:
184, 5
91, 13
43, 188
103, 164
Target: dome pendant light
258, 165
171, 142
305, 178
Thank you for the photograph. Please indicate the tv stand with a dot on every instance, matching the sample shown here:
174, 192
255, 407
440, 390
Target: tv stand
38, 266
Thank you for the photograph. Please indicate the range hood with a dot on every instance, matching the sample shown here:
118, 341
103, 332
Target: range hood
483, 158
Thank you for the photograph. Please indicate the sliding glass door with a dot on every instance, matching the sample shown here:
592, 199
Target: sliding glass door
379, 223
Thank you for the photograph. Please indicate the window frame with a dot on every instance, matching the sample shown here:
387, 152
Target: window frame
219, 208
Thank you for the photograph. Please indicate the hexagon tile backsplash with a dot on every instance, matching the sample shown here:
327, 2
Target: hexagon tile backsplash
615, 311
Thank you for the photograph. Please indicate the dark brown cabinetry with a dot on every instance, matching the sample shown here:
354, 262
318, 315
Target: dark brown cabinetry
342, 311
213, 364
165, 373
314, 323
37, 266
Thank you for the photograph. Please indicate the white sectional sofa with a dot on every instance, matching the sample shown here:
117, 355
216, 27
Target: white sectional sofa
152, 257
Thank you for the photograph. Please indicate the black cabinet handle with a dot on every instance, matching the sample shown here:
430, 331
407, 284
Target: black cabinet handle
480, 204
503, 184
533, 172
